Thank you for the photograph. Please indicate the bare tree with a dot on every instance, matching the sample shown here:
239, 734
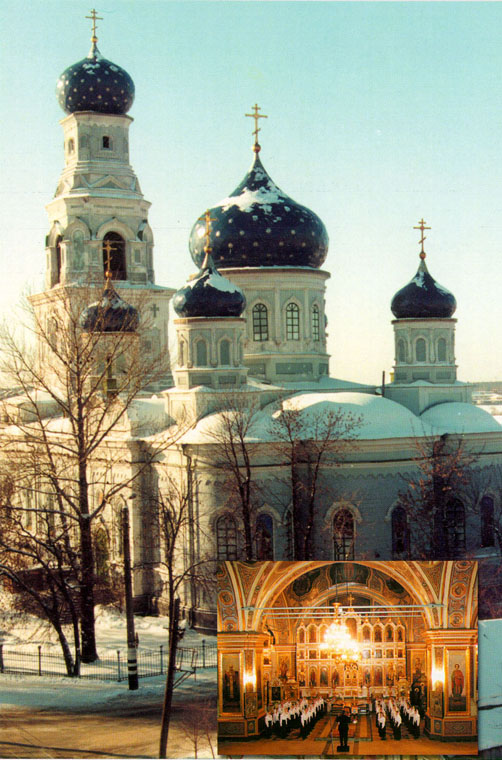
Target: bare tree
199, 725
61, 435
233, 454
181, 567
181, 563
312, 442
432, 502
307, 443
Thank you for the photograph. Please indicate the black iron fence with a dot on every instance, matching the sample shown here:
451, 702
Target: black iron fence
48, 661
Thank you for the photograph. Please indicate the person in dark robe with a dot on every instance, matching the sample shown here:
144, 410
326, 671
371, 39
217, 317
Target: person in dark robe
344, 721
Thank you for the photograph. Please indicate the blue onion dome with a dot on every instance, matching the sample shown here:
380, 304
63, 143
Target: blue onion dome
260, 226
110, 314
209, 294
95, 84
423, 297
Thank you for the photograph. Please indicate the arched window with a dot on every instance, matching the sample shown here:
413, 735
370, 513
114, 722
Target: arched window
292, 322
264, 537
455, 527
260, 322
400, 533
114, 246
58, 259
316, 331
107, 143
401, 350
487, 521
343, 535
226, 538
201, 353
225, 352
441, 350
71, 145
420, 350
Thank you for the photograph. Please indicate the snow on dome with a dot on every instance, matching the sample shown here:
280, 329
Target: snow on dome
423, 298
458, 417
209, 294
258, 225
95, 84
110, 314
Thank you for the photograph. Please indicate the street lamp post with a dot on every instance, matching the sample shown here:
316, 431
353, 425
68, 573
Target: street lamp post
132, 661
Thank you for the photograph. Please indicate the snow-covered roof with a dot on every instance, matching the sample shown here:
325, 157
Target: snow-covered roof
326, 383
377, 418
458, 417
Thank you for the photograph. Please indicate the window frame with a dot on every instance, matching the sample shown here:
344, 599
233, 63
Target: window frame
259, 314
316, 323
292, 321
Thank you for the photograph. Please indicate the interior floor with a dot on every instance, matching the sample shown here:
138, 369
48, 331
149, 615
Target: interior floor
363, 740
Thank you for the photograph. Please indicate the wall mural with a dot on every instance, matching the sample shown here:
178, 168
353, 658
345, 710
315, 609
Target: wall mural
457, 681
230, 687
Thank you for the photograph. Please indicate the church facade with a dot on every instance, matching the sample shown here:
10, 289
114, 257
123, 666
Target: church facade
252, 343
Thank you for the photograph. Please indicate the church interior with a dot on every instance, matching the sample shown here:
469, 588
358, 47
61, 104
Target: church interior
392, 645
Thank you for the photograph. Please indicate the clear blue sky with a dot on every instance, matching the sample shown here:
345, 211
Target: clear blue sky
378, 114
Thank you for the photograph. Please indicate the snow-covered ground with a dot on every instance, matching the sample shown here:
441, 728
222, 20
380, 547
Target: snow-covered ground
30, 631
68, 694
75, 694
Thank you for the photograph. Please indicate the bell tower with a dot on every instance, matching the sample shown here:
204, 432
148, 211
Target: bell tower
98, 205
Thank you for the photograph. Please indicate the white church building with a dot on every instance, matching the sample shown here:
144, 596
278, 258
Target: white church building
250, 330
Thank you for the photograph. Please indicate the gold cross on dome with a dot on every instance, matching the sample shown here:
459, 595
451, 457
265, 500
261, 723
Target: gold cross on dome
421, 226
94, 17
257, 129
207, 218
108, 248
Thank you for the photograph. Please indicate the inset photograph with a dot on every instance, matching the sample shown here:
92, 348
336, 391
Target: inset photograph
358, 658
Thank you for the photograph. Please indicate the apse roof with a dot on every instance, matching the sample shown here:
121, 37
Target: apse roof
378, 418
458, 417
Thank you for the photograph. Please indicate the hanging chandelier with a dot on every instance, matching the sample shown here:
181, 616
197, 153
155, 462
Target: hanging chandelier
339, 642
